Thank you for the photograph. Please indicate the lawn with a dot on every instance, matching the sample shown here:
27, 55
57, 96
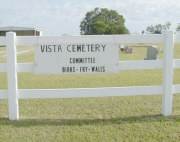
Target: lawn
109, 119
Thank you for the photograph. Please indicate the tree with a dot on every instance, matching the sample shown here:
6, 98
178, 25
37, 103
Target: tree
159, 28
103, 21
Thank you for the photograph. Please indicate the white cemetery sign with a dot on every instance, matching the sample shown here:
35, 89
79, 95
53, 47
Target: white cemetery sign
76, 55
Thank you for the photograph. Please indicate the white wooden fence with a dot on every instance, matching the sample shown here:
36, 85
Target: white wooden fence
167, 64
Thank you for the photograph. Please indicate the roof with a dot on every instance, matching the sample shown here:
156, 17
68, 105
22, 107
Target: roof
17, 29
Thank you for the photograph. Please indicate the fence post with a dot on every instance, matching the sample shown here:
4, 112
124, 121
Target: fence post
168, 71
12, 76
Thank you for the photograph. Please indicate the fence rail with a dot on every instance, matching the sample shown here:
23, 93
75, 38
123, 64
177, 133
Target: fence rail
89, 92
123, 39
167, 64
123, 65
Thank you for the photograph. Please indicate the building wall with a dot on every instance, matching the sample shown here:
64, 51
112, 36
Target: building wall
22, 33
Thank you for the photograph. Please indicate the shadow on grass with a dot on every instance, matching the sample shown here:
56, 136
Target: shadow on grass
81, 122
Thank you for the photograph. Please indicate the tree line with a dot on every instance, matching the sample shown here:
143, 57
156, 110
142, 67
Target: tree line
104, 21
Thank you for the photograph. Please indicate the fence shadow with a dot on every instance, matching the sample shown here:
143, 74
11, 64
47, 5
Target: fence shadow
81, 122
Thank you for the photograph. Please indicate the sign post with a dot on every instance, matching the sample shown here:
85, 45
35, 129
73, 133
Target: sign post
167, 98
12, 76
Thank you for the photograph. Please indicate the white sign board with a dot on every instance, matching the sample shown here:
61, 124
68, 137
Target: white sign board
75, 55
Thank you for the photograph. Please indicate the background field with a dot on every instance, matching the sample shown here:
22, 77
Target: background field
106, 119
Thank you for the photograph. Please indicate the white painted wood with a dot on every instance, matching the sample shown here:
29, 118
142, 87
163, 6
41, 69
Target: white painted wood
167, 98
12, 76
121, 39
140, 65
139, 39
167, 65
89, 92
63, 57
123, 65
27, 40
25, 67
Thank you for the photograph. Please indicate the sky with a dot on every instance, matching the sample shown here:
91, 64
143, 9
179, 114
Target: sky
58, 17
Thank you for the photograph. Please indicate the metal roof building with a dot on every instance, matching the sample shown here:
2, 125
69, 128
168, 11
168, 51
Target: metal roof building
20, 31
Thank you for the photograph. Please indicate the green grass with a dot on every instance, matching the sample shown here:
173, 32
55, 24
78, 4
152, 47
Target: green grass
109, 119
